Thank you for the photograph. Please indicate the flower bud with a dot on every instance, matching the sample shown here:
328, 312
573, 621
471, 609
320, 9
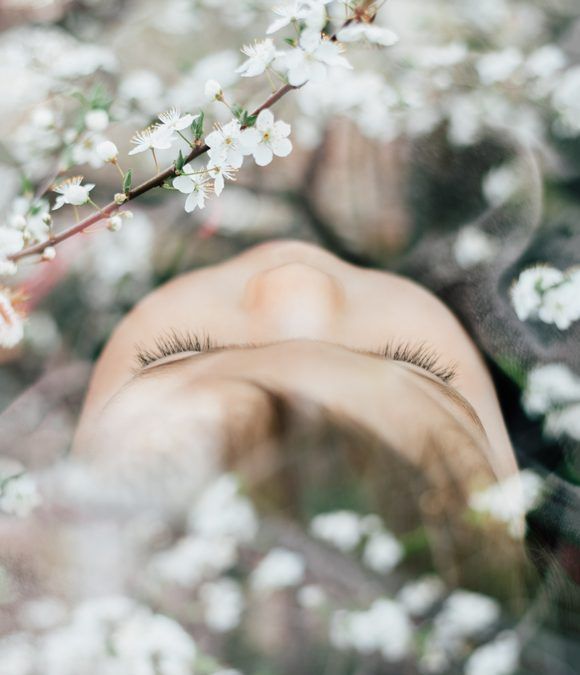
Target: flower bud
49, 253
115, 223
47, 219
107, 151
119, 198
213, 90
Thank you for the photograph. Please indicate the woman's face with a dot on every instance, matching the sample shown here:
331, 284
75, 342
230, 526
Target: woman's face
292, 317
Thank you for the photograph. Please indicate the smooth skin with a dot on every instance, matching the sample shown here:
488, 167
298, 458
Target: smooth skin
295, 318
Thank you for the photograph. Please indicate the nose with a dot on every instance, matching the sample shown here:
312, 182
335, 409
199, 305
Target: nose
294, 300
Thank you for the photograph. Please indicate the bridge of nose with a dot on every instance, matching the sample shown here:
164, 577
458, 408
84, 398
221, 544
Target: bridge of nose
294, 300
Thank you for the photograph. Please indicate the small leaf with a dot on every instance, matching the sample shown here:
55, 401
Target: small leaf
290, 41
128, 180
197, 126
249, 120
238, 111
179, 162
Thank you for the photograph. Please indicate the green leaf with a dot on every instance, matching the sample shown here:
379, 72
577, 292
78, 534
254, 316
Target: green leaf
26, 186
127, 181
290, 41
197, 126
238, 111
249, 120
179, 162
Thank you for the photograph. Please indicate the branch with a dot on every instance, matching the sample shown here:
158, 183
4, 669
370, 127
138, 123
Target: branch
148, 185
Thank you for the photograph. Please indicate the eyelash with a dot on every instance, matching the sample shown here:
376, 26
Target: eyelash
174, 342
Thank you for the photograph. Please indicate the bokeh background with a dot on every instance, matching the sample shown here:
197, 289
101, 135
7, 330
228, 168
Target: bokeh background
453, 157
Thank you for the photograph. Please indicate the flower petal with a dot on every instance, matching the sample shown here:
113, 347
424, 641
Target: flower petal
183, 184
282, 147
263, 155
265, 120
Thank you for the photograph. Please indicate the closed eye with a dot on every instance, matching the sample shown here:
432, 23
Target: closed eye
175, 342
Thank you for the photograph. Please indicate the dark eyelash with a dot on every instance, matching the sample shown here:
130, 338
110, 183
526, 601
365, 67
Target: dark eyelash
176, 342
423, 356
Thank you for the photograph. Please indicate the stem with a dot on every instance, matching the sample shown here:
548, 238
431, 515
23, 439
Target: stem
119, 169
155, 159
185, 139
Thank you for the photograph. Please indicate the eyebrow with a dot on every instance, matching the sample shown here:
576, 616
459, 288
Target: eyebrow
447, 390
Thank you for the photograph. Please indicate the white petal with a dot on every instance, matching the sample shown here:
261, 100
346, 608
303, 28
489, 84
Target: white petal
191, 202
218, 184
263, 155
275, 26
249, 138
265, 120
282, 147
298, 75
282, 129
183, 184
138, 149
235, 158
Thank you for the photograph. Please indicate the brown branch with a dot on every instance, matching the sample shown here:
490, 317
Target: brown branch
155, 181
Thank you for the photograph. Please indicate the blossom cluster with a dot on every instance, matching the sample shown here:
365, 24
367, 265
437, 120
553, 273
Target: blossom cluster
19, 494
553, 391
548, 294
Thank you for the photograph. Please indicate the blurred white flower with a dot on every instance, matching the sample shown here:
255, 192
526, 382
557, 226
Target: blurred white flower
17, 655
498, 66
71, 191
260, 56
273, 139
223, 604
222, 511
97, 120
213, 90
311, 597
11, 241
566, 101
11, 325
310, 59
564, 422
473, 247
280, 568
377, 35
84, 151
107, 151
500, 184
464, 615
342, 529
419, 596
499, 657
194, 559
290, 12
385, 628
19, 495
549, 386
527, 292
382, 552
561, 304
196, 185
546, 61
509, 500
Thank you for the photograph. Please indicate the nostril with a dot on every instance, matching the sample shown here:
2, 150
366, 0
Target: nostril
296, 299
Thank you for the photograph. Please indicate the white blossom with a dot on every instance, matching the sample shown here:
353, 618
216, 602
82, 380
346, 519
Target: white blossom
72, 192
382, 552
85, 151
384, 628
194, 184
527, 292
500, 184
310, 59
565, 422
260, 56
498, 66
172, 120
107, 151
499, 657
11, 242
229, 143
419, 596
311, 596
377, 35
549, 386
97, 120
473, 247
223, 604
342, 529
509, 500
219, 172
464, 615
213, 90
298, 10
11, 325
280, 568
273, 139
222, 511
561, 304
154, 137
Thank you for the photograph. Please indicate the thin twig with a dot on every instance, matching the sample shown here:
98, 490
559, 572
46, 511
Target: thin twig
154, 182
